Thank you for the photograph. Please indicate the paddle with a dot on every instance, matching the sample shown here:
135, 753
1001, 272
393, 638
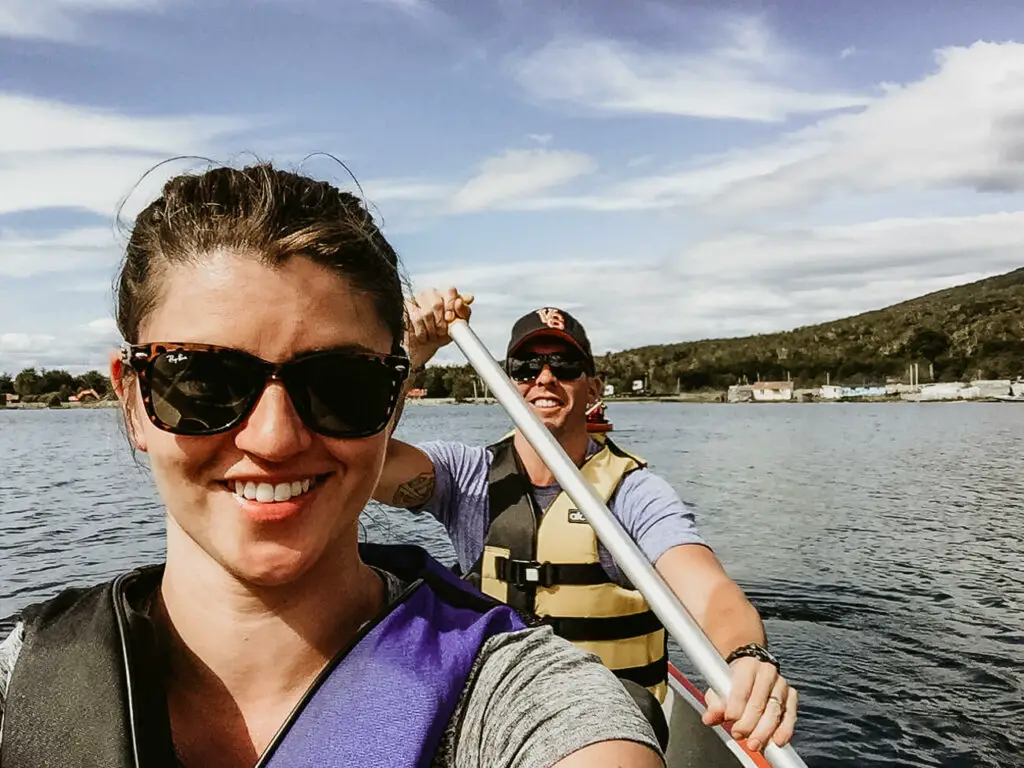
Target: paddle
677, 620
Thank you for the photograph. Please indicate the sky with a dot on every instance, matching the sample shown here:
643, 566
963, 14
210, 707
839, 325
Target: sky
665, 171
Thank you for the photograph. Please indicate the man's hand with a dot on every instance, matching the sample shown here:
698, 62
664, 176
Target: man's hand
430, 311
761, 705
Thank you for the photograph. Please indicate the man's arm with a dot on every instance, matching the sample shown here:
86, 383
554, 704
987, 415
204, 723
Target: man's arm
408, 477
761, 704
715, 600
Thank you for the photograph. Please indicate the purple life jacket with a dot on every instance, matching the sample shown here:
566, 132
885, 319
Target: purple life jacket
87, 688
387, 701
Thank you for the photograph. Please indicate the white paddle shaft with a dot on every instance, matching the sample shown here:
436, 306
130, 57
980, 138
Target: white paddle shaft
673, 614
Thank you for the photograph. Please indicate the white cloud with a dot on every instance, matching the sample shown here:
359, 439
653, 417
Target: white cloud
54, 154
837, 255
103, 326
412, 7
406, 190
744, 283
747, 76
540, 138
23, 255
848, 51
423, 12
517, 174
959, 127
36, 125
60, 19
76, 349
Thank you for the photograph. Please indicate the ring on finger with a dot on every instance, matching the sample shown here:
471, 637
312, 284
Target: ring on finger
777, 702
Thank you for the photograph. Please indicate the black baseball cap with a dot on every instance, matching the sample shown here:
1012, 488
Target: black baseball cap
551, 321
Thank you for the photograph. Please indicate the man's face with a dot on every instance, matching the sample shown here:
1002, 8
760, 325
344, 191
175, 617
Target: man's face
560, 404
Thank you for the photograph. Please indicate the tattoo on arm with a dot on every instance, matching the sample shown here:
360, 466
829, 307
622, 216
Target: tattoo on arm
414, 492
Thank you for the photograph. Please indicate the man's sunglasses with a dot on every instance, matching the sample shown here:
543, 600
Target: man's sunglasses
563, 367
202, 389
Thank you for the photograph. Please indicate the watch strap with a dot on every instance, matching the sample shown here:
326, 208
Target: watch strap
754, 651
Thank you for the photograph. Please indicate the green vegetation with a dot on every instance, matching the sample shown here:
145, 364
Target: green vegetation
43, 385
970, 331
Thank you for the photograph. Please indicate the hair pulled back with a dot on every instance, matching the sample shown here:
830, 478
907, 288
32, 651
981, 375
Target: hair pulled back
264, 212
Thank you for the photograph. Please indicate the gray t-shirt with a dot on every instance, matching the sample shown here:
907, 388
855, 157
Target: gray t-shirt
649, 510
531, 699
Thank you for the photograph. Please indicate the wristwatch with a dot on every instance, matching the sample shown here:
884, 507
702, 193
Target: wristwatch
754, 651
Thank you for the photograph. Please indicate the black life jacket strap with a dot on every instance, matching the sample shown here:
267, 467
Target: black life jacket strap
530, 573
648, 675
611, 628
513, 518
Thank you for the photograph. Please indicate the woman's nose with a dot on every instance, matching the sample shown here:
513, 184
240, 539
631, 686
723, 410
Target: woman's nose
274, 431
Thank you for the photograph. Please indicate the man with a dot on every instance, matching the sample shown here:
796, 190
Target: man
518, 535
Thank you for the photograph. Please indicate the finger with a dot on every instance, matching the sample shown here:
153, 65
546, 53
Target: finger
715, 713
756, 701
457, 309
744, 673
464, 310
440, 311
784, 732
425, 325
771, 717
456, 305
428, 299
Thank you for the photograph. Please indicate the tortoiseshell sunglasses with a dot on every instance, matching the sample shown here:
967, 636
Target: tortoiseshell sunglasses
203, 389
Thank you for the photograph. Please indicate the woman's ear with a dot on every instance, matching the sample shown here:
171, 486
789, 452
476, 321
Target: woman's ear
595, 389
123, 380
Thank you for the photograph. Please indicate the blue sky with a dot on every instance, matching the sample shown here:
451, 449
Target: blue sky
665, 170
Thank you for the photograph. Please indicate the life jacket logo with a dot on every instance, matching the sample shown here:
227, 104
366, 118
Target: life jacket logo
552, 318
575, 516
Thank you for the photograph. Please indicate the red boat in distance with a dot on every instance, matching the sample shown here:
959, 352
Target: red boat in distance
596, 421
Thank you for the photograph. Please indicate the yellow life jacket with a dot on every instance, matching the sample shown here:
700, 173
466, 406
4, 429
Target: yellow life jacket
545, 564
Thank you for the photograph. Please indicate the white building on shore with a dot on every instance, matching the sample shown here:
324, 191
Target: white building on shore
772, 391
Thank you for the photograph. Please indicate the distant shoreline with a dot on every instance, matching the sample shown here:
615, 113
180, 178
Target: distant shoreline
692, 398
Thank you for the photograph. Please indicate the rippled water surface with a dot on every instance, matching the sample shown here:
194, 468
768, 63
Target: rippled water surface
881, 543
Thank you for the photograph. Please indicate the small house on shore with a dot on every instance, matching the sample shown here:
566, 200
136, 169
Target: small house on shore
739, 393
772, 391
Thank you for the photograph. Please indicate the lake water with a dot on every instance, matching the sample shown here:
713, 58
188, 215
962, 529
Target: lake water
881, 543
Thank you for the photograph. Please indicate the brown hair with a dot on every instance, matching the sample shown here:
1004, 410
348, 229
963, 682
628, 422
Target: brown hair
259, 210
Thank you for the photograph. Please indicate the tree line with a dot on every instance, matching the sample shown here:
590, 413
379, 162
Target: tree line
31, 385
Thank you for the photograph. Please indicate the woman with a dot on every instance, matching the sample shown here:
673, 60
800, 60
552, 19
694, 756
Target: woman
263, 313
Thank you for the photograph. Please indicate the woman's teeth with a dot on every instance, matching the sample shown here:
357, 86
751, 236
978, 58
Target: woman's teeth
545, 403
267, 493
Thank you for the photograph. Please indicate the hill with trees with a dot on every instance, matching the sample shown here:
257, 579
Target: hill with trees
970, 331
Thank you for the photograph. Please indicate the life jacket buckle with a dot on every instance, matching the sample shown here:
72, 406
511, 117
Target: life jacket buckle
525, 573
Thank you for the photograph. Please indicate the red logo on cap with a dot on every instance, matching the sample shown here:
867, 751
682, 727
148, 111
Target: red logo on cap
552, 318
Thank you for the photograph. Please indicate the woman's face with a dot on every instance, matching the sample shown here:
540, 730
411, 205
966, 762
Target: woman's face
232, 300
